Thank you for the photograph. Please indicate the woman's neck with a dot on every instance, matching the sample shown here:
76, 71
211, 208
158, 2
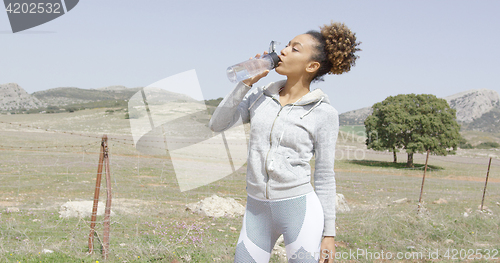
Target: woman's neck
294, 89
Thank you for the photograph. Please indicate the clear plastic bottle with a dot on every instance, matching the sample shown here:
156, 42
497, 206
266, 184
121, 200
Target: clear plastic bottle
253, 67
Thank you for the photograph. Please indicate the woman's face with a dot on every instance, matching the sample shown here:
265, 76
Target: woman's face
296, 57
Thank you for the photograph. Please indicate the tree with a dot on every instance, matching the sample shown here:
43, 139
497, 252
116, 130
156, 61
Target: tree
416, 123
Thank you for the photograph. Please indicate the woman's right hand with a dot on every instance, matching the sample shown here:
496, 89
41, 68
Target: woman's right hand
254, 79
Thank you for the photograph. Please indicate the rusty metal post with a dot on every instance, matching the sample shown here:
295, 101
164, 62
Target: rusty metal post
485, 184
423, 180
96, 197
106, 223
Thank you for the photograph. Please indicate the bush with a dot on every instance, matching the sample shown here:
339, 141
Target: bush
71, 109
466, 146
487, 145
463, 144
52, 108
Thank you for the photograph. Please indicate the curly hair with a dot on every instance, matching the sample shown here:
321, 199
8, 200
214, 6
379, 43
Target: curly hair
335, 49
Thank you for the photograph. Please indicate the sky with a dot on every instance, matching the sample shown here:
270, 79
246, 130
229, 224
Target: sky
433, 47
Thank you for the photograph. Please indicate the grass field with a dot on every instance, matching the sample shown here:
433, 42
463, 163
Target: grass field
41, 170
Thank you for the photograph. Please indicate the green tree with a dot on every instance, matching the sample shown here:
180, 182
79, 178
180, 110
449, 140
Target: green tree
415, 123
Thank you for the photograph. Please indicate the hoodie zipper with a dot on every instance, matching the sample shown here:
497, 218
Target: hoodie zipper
270, 147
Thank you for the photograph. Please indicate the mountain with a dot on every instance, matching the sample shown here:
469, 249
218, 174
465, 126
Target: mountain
473, 104
476, 110
69, 95
115, 88
355, 117
13, 97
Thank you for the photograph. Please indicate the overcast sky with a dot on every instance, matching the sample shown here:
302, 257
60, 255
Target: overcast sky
437, 47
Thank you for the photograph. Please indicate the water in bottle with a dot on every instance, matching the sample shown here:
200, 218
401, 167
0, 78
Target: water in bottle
253, 67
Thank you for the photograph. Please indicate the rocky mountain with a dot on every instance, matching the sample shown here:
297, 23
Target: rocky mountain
355, 117
472, 104
476, 110
13, 97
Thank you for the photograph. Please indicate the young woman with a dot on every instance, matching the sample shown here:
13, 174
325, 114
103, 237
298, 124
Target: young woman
289, 124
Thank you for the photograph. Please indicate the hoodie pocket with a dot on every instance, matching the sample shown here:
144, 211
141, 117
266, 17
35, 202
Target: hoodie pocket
296, 166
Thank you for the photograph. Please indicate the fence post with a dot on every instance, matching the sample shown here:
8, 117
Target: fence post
96, 198
486, 183
423, 180
107, 212
103, 160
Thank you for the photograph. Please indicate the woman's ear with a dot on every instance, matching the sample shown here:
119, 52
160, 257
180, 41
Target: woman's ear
313, 67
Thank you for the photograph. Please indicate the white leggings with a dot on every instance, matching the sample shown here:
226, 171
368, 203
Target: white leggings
299, 219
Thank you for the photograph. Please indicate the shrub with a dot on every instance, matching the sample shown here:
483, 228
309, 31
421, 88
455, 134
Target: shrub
488, 145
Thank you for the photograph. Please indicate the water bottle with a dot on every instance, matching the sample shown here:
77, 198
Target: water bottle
255, 66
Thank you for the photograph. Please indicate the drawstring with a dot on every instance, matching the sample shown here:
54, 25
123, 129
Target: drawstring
315, 105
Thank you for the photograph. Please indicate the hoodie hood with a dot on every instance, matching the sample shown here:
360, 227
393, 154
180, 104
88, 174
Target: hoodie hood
315, 96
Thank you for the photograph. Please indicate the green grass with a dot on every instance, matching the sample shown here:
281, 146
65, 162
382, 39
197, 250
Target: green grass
372, 163
358, 130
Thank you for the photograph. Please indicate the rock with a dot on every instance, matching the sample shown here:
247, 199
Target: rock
421, 210
279, 250
466, 214
81, 209
216, 206
440, 201
186, 258
486, 211
449, 241
400, 201
472, 104
341, 205
13, 97
12, 209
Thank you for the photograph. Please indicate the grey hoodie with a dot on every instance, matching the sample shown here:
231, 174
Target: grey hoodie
283, 140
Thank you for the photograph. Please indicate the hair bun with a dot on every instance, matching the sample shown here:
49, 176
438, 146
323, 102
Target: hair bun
340, 47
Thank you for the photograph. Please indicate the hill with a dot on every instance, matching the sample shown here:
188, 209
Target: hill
69, 95
13, 97
16, 100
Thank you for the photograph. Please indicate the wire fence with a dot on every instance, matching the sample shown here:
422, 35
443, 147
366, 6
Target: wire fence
42, 170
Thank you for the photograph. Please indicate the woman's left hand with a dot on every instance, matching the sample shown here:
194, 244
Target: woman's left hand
327, 252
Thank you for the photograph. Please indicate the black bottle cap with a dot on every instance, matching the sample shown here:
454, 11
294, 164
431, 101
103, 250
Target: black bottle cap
275, 58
